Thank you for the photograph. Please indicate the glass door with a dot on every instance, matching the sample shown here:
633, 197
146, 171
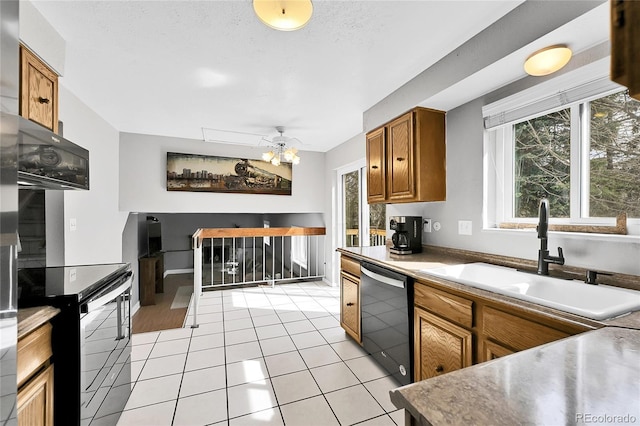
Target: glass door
361, 224
351, 211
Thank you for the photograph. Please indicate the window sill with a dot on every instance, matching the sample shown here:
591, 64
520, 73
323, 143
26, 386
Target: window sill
632, 239
620, 227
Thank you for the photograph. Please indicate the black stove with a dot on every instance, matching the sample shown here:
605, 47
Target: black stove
91, 337
77, 282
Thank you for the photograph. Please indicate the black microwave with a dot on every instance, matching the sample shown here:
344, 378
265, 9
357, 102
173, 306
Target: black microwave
48, 161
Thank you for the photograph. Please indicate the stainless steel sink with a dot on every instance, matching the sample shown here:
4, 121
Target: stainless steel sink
592, 301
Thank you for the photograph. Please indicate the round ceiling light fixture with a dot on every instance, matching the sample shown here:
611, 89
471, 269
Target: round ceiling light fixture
548, 60
284, 15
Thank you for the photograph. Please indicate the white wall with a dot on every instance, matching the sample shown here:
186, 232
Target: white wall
143, 165
98, 236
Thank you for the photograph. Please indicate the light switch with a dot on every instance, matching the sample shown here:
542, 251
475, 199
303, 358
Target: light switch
72, 224
465, 227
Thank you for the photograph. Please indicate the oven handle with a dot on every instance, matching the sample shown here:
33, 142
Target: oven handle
106, 297
381, 278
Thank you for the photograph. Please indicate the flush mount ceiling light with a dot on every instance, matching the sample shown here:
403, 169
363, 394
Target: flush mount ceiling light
283, 15
548, 60
280, 151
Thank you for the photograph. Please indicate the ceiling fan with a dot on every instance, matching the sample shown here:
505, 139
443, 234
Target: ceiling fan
281, 148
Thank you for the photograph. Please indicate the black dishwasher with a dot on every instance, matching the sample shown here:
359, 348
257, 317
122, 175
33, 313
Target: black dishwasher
386, 300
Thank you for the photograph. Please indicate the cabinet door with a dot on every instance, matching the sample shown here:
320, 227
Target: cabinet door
400, 153
35, 400
492, 350
376, 167
625, 47
350, 305
38, 91
439, 346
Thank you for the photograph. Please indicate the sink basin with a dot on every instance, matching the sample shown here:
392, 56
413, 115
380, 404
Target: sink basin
592, 301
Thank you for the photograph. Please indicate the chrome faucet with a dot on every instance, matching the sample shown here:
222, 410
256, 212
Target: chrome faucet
543, 254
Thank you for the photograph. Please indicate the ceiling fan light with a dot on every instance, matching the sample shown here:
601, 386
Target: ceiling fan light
267, 156
548, 60
295, 160
289, 154
283, 15
275, 161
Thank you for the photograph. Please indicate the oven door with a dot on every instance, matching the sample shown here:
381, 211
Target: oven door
105, 349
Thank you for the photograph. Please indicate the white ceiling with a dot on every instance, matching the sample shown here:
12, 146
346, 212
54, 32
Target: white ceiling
172, 68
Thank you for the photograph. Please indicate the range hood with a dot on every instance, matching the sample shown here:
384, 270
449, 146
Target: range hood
48, 161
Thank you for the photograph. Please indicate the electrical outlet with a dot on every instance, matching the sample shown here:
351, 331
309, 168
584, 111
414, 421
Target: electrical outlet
427, 225
72, 224
465, 227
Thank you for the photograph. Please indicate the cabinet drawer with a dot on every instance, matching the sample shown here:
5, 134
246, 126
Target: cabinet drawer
33, 351
449, 306
515, 332
350, 265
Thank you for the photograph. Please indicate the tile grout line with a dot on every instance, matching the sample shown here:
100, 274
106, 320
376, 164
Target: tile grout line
175, 408
274, 308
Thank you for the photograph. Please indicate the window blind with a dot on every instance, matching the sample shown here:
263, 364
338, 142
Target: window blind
538, 101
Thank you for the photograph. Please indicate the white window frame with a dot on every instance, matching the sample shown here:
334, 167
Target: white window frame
499, 151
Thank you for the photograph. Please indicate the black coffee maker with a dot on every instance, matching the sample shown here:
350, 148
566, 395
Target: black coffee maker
407, 236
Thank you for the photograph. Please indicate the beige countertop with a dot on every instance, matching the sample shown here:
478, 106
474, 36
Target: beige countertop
434, 257
31, 318
589, 378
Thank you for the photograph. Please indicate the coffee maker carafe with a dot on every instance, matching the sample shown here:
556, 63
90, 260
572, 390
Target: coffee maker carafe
407, 236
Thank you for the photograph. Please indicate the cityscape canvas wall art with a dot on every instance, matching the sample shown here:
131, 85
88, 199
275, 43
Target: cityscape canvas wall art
205, 173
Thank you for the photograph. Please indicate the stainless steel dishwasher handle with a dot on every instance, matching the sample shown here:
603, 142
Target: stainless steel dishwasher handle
381, 278
111, 295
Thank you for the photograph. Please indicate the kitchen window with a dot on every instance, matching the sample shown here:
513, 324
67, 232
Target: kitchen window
580, 148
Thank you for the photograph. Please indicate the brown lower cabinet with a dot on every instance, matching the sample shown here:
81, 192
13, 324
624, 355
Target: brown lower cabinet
35, 400
350, 297
350, 305
35, 378
493, 350
439, 346
453, 330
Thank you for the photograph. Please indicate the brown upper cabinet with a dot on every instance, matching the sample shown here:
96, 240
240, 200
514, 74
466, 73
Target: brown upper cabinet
625, 44
38, 91
406, 159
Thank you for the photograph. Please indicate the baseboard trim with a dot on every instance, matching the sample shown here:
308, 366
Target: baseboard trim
178, 271
325, 280
135, 308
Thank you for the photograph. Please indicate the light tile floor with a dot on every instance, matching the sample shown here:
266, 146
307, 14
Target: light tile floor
260, 356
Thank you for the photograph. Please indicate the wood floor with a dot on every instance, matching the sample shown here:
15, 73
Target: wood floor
160, 316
